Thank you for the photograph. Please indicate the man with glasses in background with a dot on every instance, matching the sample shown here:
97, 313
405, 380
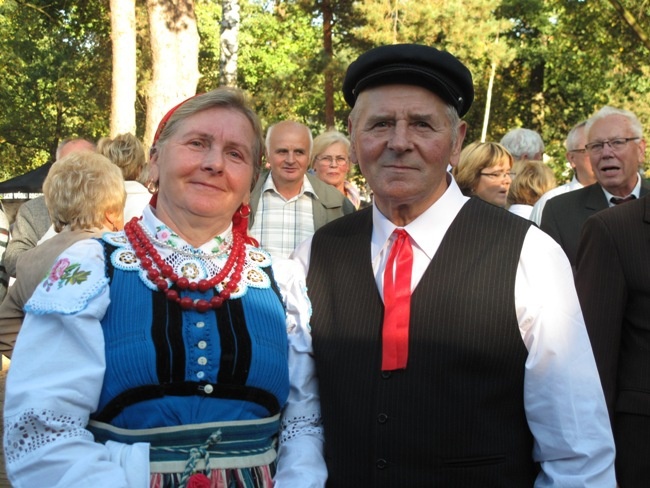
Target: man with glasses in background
616, 149
583, 174
288, 205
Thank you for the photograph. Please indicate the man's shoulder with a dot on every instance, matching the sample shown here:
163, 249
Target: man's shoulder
320, 187
259, 184
348, 223
326, 192
34, 205
572, 197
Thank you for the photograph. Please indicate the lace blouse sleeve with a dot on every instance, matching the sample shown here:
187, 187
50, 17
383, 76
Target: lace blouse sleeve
55, 380
300, 457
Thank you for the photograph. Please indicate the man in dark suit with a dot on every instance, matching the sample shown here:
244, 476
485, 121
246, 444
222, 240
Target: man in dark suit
447, 333
613, 283
616, 148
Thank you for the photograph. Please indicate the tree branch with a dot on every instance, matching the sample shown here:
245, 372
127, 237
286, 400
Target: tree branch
631, 21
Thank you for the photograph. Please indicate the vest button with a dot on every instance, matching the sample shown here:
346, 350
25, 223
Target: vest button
208, 389
386, 374
381, 463
382, 418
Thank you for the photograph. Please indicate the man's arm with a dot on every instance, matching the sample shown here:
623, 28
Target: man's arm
563, 397
24, 236
602, 290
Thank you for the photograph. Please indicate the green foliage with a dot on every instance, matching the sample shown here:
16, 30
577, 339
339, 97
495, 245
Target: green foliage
279, 61
557, 61
56, 75
208, 14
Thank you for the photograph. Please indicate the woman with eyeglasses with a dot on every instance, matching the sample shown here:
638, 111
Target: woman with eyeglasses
485, 170
331, 163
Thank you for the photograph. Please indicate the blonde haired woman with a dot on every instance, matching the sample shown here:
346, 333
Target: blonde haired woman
128, 153
331, 163
485, 170
84, 193
533, 179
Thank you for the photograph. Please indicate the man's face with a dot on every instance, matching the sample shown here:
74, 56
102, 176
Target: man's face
401, 136
579, 159
288, 153
615, 169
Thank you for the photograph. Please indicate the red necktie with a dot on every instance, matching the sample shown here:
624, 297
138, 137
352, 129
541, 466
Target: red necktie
397, 303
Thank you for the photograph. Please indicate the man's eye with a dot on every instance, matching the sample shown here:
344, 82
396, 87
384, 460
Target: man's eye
380, 125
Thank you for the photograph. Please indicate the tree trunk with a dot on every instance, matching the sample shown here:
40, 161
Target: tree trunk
123, 37
329, 56
175, 55
229, 42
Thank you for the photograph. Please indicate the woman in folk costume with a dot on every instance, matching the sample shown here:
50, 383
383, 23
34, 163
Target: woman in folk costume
172, 354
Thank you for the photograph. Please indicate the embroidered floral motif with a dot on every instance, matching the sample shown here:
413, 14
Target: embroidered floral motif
63, 273
167, 236
221, 246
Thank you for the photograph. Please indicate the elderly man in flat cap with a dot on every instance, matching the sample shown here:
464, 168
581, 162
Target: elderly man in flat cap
449, 342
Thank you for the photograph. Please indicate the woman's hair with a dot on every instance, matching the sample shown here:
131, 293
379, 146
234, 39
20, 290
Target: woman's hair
532, 180
476, 157
325, 140
80, 188
225, 97
127, 152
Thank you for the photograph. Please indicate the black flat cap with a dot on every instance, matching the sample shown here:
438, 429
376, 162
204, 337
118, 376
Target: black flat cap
411, 64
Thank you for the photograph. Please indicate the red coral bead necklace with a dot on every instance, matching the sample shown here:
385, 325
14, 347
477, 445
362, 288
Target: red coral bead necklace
158, 271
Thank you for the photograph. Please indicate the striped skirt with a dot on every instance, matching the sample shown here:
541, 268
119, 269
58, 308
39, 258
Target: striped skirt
240, 454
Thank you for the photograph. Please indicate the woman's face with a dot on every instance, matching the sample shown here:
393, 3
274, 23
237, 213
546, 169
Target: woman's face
494, 183
204, 170
332, 165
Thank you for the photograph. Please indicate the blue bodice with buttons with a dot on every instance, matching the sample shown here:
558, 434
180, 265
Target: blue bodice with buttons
167, 366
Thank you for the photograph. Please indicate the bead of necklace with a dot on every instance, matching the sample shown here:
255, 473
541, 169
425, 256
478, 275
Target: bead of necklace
158, 271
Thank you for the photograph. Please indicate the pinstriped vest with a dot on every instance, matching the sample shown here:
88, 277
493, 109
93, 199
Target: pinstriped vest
455, 416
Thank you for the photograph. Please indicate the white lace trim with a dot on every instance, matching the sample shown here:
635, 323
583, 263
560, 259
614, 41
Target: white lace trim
35, 428
194, 268
301, 425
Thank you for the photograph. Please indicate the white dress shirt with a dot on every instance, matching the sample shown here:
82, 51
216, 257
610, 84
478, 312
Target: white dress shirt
563, 398
538, 208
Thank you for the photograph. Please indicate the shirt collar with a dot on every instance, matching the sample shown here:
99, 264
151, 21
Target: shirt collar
162, 232
427, 230
269, 185
636, 191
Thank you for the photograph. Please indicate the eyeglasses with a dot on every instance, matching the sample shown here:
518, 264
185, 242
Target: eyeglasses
500, 175
579, 151
615, 144
329, 160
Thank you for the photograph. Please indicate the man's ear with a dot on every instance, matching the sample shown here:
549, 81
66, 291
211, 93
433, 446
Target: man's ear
352, 151
458, 146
